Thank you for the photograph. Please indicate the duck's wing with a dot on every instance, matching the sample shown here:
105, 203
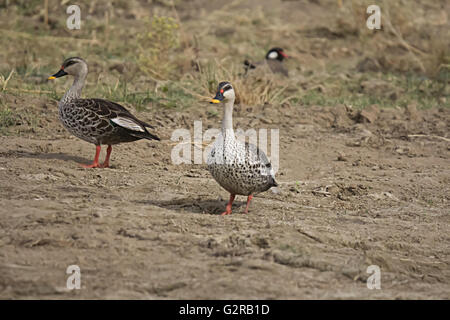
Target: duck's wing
118, 116
257, 159
277, 67
116, 110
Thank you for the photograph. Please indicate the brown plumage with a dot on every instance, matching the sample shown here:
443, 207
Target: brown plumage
274, 59
96, 121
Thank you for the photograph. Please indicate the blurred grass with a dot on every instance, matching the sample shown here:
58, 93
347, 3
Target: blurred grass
177, 61
157, 47
7, 118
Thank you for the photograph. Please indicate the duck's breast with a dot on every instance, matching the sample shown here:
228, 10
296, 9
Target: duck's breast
84, 123
242, 169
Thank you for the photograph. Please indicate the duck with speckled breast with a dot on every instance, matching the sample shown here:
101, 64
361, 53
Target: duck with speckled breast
239, 167
96, 121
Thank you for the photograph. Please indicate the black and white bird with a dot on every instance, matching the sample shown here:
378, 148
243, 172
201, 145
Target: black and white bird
239, 167
96, 121
274, 59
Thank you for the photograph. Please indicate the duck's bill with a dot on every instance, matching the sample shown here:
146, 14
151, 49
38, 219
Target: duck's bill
218, 98
284, 54
60, 73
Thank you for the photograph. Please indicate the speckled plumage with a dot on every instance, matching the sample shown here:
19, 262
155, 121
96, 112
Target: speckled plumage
239, 167
90, 120
96, 121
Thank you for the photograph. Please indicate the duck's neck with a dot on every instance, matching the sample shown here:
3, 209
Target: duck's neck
75, 90
227, 121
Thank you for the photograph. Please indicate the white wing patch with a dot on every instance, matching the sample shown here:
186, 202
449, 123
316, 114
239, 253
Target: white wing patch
273, 55
128, 124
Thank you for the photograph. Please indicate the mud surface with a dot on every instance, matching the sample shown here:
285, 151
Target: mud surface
356, 189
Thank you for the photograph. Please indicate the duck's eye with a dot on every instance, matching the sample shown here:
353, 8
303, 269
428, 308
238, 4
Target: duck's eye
70, 63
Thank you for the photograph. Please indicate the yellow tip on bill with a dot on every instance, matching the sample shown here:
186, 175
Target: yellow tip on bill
51, 78
215, 101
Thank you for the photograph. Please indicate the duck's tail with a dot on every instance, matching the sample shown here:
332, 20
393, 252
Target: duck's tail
274, 183
145, 135
248, 65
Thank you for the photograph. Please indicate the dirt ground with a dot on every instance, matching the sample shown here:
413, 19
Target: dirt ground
357, 186
351, 194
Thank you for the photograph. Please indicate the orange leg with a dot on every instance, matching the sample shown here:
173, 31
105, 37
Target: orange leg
249, 198
108, 154
228, 208
95, 163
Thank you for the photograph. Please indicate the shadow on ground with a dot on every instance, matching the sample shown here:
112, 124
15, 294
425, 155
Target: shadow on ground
213, 207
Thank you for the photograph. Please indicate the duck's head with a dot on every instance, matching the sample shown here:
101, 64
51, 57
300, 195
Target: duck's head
74, 66
276, 54
225, 92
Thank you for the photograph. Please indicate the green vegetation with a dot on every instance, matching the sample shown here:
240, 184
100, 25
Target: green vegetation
143, 54
157, 46
8, 118
401, 90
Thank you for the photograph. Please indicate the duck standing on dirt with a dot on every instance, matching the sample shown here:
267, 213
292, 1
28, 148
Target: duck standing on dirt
239, 167
96, 121
274, 59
